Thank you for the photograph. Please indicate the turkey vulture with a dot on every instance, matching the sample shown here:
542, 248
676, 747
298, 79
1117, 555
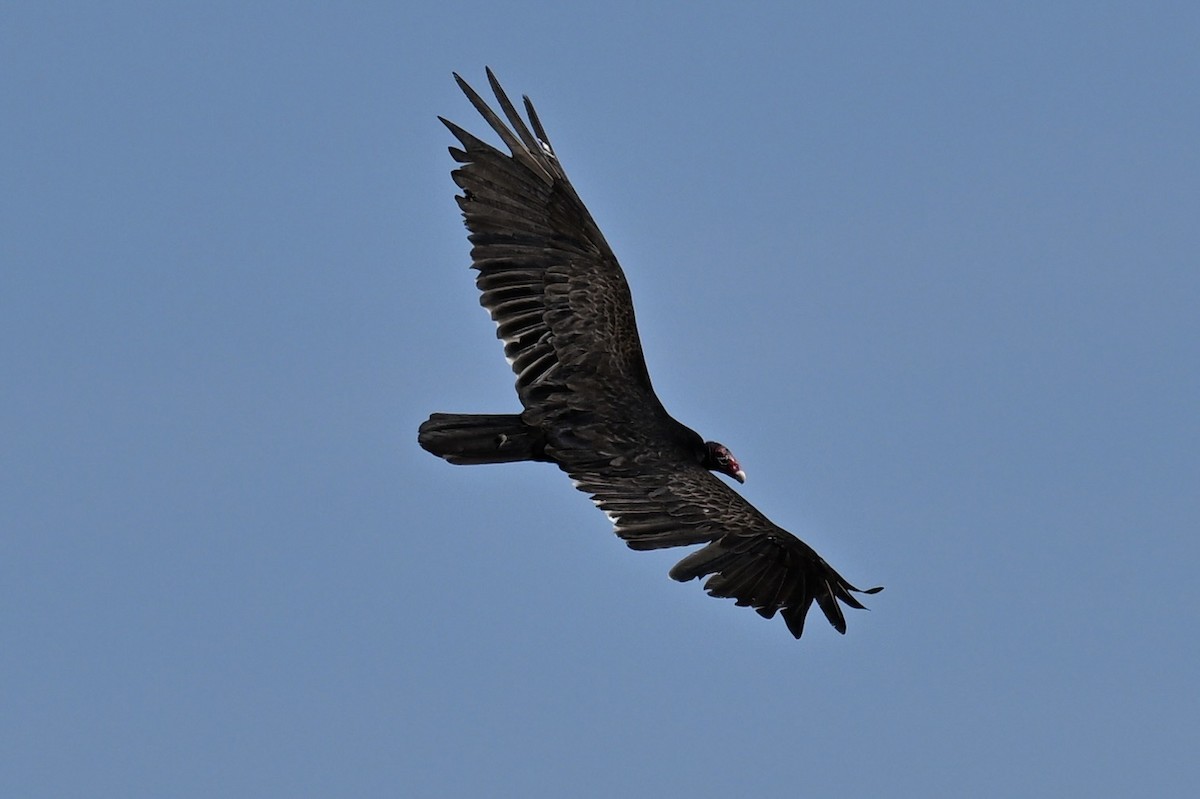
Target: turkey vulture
563, 309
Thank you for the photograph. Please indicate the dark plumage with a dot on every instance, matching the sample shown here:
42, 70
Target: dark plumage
563, 309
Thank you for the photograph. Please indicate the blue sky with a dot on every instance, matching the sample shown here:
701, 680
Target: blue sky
931, 274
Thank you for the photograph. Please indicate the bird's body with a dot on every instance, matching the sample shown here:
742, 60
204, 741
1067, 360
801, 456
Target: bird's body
563, 309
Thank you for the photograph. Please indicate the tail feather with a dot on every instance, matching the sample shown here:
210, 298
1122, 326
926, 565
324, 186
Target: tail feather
471, 438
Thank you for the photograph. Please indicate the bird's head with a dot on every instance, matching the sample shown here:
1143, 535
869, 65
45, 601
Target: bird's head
718, 458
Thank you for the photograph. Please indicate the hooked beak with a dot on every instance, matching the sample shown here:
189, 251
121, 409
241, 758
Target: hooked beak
740, 476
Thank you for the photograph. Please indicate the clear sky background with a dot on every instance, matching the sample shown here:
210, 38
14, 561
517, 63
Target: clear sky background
932, 273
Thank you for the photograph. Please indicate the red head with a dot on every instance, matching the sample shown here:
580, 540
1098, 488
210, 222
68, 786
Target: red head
720, 459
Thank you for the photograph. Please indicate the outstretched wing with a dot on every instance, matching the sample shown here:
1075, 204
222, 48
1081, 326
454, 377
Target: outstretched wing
747, 557
552, 284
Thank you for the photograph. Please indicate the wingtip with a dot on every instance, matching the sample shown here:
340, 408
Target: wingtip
454, 129
497, 89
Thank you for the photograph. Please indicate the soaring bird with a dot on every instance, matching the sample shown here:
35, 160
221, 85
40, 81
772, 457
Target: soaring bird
563, 309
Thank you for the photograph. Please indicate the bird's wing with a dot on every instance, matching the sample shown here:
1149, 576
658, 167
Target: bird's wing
747, 557
548, 277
